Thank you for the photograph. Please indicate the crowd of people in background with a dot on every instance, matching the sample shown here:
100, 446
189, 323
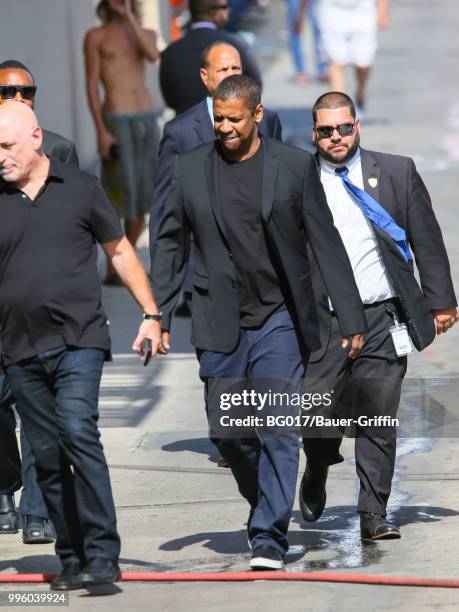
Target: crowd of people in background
292, 265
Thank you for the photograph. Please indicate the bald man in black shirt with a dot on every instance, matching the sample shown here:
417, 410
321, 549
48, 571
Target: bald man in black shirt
17, 83
55, 338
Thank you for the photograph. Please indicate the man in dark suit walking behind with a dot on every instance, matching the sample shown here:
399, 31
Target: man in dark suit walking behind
382, 211
180, 61
252, 205
195, 126
17, 83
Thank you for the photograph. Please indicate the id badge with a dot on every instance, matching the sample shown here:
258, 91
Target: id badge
401, 339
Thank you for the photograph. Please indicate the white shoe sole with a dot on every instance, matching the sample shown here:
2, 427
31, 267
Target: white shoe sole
262, 563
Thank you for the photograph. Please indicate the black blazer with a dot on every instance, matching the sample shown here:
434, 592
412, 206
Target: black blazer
59, 147
179, 78
398, 187
184, 133
294, 213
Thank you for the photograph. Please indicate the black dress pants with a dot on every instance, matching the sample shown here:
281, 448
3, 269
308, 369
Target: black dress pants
363, 388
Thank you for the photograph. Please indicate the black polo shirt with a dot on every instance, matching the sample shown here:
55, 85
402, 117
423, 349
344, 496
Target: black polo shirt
50, 292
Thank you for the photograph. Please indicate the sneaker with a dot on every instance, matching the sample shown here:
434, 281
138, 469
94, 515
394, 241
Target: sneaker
266, 558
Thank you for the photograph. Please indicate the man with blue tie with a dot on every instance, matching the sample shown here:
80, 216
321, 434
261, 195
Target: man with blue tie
383, 213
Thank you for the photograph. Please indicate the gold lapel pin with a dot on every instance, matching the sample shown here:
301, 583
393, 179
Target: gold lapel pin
373, 181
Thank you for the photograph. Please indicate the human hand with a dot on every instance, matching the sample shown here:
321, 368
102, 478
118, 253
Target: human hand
104, 141
148, 329
166, 342
445, 318
357, 342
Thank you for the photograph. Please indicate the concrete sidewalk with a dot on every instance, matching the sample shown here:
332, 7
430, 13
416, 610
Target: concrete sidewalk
177, 510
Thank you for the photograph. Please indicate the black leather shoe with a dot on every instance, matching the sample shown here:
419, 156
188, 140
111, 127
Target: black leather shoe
69, 578
100, 571
375, 527
37, 530
8, 515
312, 493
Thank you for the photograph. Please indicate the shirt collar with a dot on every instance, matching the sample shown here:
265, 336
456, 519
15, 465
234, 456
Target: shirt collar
329, 168
210, 108
204, 24
54, 173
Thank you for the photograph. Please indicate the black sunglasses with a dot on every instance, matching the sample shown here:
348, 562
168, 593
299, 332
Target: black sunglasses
221, 7
8, 92
343, 129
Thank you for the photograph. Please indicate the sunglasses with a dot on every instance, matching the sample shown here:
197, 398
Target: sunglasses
343, 129
8, 92
222, 7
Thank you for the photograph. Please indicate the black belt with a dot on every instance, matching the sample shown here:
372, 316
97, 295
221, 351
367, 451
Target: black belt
374, 305
381, 303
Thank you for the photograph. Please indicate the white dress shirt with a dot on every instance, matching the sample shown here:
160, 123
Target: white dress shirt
356, 232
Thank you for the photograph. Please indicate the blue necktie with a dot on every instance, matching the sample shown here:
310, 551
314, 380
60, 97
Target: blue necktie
376, 213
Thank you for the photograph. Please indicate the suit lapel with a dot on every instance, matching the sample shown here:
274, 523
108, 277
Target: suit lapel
371, 175
202, 123
210, 171
270, 170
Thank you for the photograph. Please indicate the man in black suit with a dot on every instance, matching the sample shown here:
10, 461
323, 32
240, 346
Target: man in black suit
180, 61
17, 83
252, 205
195, 126
367, 191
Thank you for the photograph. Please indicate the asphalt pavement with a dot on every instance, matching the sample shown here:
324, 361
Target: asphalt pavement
178, 511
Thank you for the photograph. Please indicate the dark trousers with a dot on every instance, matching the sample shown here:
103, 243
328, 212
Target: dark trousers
10, 461
12, 470
369, 385
56, 395
265, 467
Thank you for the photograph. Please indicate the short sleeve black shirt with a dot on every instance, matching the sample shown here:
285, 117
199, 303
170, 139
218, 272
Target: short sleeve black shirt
240, 186
49, 286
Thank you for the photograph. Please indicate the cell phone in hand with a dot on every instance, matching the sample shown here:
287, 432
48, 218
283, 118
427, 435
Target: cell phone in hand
147, 352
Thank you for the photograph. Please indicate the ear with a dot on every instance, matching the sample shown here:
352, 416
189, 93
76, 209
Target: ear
203, 75
259, 113
37, 138
314, 136
357, 125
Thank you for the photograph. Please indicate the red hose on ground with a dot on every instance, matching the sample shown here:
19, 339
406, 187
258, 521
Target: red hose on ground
251, 576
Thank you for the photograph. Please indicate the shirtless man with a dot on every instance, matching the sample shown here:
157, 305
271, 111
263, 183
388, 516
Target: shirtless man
127, 131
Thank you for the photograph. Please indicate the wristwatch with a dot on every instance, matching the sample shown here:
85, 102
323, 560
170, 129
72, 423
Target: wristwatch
152, 317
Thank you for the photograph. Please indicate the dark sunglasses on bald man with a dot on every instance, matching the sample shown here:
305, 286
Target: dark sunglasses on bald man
8, 92
343, 129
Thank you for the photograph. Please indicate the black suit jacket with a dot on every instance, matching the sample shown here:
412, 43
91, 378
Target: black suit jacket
397, 186
59, 147
179, 78
294, 213
184, 133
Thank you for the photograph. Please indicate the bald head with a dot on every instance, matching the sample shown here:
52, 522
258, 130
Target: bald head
20, 141
218, 61
17, 116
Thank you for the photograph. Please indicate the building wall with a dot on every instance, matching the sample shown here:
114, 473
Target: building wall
47, 36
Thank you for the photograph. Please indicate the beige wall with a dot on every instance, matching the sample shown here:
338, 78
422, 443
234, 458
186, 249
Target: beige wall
47, 36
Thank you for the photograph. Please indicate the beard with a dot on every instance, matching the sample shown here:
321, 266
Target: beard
339, 159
